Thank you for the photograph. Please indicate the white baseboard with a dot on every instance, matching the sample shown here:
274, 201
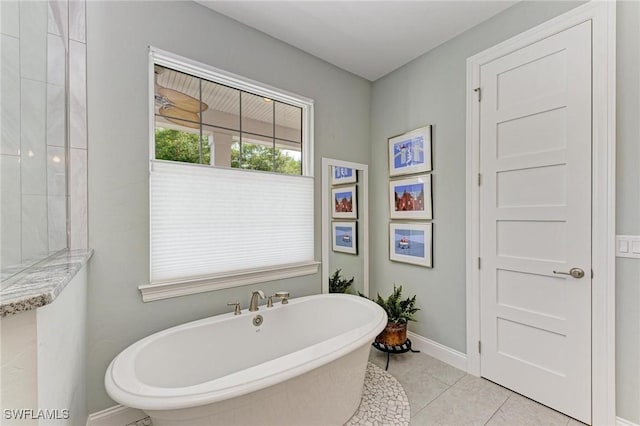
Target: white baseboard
438, 351
118, 415
624, 422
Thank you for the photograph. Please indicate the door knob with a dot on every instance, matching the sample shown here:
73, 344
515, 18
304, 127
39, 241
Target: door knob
574, 272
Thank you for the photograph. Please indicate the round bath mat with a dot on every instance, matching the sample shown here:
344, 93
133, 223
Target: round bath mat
384, 401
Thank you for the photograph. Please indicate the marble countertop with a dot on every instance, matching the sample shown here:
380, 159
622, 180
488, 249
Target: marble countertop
40, 284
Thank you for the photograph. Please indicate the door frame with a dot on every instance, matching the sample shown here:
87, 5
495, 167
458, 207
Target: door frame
603, 17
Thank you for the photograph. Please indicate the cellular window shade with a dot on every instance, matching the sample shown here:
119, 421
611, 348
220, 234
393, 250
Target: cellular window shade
208, 221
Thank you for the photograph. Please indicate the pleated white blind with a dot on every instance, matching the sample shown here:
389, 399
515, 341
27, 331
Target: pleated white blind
207, 221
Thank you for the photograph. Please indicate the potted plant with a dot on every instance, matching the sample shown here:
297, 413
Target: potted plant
337, 284
399, 312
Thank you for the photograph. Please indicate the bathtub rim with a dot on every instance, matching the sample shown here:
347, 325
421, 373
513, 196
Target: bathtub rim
181, 397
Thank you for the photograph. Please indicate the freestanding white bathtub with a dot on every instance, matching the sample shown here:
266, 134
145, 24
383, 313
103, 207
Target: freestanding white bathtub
304, 365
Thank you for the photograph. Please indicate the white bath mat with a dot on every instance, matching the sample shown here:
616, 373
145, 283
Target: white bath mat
384, 401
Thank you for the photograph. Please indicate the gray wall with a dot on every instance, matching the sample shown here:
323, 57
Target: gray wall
431, 90
118, 34
628, 210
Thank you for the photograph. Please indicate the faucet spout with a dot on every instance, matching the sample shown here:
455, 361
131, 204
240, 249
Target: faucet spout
255, 296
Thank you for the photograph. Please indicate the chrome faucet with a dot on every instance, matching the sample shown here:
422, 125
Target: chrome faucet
236, 305
253, 306
283, 295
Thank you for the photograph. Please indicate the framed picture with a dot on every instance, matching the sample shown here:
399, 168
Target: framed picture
411, 152
345, 238
345, 203
342, 175
411, 198
411, 243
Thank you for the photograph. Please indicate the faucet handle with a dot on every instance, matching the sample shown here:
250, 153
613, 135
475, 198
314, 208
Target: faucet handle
270, 302
237, 310
283, 295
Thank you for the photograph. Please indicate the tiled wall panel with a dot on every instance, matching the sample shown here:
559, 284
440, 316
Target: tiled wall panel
77, 21
33, 148
10, 219
10, 93
35, 244
33, 39
78, 167
56, 116
78, 198
78, 94
10, 18
44, 182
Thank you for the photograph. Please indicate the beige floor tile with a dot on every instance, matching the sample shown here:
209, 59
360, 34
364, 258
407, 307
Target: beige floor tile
522, 411
378, 358
442, 371
471, 401
421, 388
440, 394
412, 371
411, 361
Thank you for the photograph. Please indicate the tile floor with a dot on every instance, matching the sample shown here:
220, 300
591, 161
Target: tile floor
440, 394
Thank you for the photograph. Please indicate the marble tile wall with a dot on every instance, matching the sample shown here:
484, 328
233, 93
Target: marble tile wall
43, 151
10, 247
78, 168
56, 124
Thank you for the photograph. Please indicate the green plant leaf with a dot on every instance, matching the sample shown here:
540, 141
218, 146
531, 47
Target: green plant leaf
339, 285
398, 310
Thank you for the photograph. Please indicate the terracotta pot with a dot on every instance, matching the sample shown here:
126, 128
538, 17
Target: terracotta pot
393, 334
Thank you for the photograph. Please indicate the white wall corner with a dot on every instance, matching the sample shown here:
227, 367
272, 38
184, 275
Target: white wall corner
438, 351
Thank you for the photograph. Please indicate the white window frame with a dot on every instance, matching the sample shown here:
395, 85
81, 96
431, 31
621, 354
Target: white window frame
157, 291
215, 75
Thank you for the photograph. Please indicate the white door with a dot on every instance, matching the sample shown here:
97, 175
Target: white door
535, 217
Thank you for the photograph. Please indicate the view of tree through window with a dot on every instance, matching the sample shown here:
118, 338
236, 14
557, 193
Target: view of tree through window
260, 157
202, 122
176, 145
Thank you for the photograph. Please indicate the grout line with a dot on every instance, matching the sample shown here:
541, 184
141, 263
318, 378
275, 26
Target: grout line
40, 81
498, 409
416, 413
431, 377
439, 395
12, 36
460, 379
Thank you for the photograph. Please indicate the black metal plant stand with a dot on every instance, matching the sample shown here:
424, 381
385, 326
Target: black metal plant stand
396, 349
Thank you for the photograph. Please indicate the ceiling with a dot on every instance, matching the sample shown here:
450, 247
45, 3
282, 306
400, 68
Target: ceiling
367, 38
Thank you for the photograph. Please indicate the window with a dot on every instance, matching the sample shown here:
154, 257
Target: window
194, 116
231, 181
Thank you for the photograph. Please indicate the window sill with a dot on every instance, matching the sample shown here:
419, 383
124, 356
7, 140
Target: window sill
166, 290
